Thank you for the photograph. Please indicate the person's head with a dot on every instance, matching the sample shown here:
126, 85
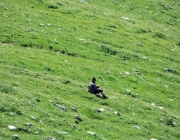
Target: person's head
93, 79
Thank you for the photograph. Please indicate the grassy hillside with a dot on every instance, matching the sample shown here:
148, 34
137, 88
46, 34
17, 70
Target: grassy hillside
50, 50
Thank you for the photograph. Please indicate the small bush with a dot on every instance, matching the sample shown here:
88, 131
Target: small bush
7, 89
53, 7
160, 35
108, 50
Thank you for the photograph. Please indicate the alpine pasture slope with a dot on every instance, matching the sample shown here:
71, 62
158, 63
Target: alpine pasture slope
50, 50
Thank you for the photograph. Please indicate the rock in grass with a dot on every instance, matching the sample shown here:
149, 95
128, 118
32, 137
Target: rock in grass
125, 18
74, 109
41, 24
110, 109
100, 110
160, 107
92, 133
62, 132
78, 118
29, 124
33, 117
15, 137
50, 138
61, 107
136, 127
11, 127
153, 104
116, 113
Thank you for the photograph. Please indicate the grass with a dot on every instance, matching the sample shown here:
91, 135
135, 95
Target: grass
50, 50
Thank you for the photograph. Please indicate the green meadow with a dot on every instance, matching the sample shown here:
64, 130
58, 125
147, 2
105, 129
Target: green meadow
51, 49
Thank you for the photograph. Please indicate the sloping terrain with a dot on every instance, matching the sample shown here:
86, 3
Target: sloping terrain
50, 50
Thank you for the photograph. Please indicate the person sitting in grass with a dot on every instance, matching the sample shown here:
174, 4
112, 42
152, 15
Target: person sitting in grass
94, 89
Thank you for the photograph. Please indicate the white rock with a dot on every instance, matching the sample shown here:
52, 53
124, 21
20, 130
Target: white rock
101, 110
160, 107
50, 101
110, 109
125, 18
153, 104
92, 133
36, 133
81, 39
33, 117
11, 127
136, 127
127, 73
116, 113
15, 136
153, 139
129, 91
41, 122
62, 132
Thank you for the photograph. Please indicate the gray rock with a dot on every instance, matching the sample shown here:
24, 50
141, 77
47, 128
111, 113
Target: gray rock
78, 118
61, 107
15, 137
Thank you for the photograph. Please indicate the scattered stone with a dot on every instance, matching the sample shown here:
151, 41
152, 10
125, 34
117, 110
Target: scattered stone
40, 129
38, 100
128, 91
33, 117
160, 107
11, 114
171, 123
41, 24
110, 109
15, 137
61, 107
78, 118
11, 127
136, 127
171, 71
62, 132
116, 113
133, 114
50, 138
74, 109
74, 126
125, 18
172, 100
100, 110
59, 29
127, 73
36, 133
134, 95
153, 139
92, 133
153, 104
81, 39
29, 124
